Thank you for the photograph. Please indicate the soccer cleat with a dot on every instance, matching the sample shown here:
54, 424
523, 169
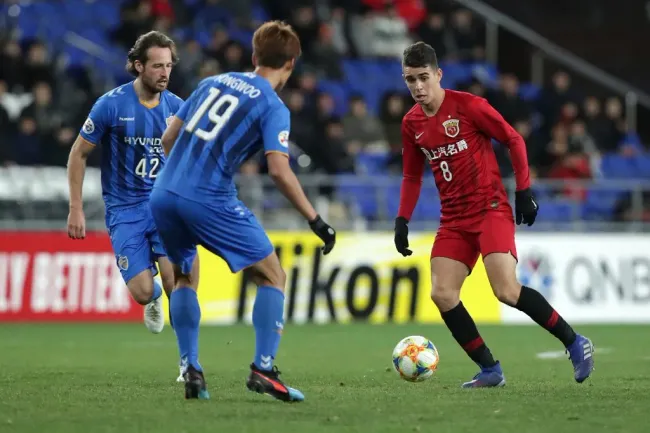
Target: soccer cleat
581, 354
490, 377
195, 386
268, 382
181, 376
153, 316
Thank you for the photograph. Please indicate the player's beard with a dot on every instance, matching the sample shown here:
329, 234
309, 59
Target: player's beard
154, 87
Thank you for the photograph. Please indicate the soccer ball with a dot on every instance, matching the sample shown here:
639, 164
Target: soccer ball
415, 358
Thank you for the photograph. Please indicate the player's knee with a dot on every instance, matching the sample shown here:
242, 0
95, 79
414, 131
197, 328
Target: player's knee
508, 293
141, 293
272, 276
444, 296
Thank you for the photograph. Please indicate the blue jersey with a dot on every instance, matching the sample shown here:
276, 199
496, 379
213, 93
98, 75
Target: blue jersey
129, 134
227, 119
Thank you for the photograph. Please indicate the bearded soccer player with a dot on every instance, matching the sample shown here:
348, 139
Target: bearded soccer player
452, 132
127, 124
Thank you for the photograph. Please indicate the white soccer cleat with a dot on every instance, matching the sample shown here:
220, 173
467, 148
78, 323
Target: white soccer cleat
180, 377
153, 317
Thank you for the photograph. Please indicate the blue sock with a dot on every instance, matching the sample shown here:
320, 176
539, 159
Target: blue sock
268, 321
186, 313
157, 291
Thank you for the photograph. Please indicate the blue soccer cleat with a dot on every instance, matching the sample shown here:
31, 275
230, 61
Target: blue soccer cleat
581, 354
488, 377
268, 382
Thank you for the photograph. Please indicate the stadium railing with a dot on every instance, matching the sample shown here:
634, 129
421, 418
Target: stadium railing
37, 198
546, 49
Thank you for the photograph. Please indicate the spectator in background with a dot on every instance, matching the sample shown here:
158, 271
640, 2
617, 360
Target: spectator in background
305, 23
386, 34
362, 130
26, 147
38, 67
43, 110
469, 36
136, 20
301, 118
614, 119
56, 148
507, 101
554, 97
12, 66
393, 109
435, 32
597, 125
234, 58
324, 55
218, 42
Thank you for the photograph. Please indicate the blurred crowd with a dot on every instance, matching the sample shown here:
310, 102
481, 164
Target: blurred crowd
43, 105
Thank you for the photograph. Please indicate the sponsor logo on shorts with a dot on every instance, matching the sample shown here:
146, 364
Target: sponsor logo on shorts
123, 263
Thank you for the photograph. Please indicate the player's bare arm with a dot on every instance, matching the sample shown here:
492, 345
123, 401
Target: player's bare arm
76, 171
171, 134
287, 182
492, 124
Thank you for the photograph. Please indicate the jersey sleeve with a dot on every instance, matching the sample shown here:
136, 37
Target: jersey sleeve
488, 120
276, 124
98, 122
413, 170
185, 107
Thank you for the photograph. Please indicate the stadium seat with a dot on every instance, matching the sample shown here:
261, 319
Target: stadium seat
372, 163
359, 194
559, 211
618, 167
339, 92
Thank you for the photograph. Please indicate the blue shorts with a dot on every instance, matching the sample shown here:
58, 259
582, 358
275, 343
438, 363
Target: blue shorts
228, 229
135, 240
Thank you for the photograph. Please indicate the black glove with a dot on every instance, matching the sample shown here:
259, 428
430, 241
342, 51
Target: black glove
402, 236
525, 207
325, 232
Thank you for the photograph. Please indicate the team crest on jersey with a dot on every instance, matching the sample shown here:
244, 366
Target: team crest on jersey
89, 126
123, 263
452, 127
168, 120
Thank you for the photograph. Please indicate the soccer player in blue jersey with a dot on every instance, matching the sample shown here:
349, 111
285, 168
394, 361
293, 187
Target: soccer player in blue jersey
127, 124
226, 120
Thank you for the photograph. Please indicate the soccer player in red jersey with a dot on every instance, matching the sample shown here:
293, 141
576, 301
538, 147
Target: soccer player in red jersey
452, 132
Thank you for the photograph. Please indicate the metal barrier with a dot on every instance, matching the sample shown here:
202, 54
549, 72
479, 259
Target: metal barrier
36, 198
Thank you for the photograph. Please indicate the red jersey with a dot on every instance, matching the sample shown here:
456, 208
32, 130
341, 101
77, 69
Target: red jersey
456, 143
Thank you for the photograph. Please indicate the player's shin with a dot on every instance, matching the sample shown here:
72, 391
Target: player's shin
532, 303
268, 322
186, 314
464, 331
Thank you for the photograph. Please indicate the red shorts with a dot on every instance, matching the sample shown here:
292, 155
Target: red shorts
495, 234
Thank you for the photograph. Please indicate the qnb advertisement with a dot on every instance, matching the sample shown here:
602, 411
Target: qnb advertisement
588, 278
45, 276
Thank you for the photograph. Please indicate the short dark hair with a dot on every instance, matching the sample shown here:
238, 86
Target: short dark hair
142, 45
274, 44
420, 55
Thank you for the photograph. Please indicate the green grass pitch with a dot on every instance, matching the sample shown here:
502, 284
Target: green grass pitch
119, 378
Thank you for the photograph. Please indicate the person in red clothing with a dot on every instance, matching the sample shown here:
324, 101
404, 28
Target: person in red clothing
452, 132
